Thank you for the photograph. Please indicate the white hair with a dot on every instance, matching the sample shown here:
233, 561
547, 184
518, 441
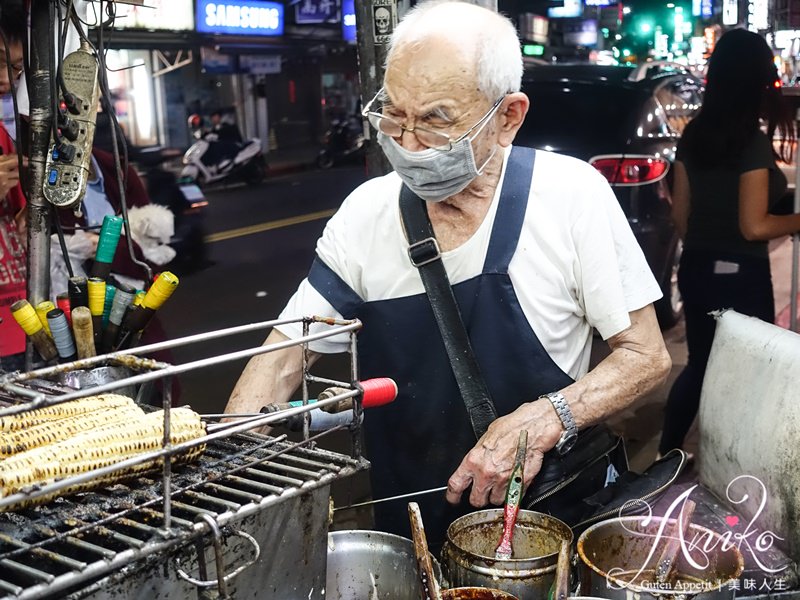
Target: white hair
487, 35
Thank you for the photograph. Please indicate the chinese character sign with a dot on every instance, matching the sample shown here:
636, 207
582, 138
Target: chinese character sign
317, 11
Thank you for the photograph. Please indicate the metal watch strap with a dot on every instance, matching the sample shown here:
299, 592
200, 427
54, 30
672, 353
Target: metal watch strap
424, 254
564, 413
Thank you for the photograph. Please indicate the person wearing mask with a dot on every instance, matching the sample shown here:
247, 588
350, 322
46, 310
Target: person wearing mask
533, 273
12, 201
725, 181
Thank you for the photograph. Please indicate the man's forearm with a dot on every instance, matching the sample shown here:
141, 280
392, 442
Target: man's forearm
268, 378
638, 363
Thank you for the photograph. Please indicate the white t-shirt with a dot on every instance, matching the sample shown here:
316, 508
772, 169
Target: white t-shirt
577, 264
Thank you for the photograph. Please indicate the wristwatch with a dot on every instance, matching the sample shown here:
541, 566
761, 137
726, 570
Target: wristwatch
570, 435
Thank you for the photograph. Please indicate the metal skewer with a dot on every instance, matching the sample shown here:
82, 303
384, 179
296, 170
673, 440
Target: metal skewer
391, 498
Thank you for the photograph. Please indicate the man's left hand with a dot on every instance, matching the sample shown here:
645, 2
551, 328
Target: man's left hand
487, 467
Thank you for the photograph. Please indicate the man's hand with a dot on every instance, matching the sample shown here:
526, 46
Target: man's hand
9, 173
638, 363
487, 467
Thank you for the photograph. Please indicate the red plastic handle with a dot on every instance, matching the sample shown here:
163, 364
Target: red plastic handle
378, 391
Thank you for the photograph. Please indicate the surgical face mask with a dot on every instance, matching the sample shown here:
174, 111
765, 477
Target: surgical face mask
434, 175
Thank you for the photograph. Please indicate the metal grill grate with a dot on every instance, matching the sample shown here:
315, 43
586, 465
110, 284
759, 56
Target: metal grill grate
79, 542
67, 542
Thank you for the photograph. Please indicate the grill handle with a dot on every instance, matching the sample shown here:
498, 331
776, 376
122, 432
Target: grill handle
222, 579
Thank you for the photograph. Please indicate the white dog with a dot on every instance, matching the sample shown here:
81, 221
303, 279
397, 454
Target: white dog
152, 226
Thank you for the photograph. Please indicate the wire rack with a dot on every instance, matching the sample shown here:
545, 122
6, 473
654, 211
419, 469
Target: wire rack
29, 391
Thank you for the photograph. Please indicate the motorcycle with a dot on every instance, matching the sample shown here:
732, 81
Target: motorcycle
186, 201
211, 160
343, 142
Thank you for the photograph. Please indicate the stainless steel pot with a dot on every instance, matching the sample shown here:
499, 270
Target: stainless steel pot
468, 553
372, 565
87, 378
620, 556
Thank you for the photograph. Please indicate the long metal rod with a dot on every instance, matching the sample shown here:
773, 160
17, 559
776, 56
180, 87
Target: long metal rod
247, 418
166, 475
357, 407
795, 241
392, 498
306, 366
164, 453
41, 109
168, 344
41, 400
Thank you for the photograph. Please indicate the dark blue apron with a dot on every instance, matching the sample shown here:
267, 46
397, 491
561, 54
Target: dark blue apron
418, 441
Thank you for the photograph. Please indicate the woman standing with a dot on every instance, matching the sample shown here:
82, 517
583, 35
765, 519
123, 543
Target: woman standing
725, 181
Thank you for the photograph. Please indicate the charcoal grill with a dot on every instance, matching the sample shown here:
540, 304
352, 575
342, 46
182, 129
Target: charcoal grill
249, 519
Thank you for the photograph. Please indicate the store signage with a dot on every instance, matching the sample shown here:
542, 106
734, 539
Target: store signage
165, 15
571, 8
316, 11
730, 12
260, 64
349, 20
240, 17
533, 28
580, 32
213, 61
758, 15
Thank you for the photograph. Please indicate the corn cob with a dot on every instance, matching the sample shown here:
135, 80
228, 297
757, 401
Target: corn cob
97, 448
50, 432
62, 411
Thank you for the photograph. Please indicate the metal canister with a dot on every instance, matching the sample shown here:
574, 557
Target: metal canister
372, 564
620, 557
468, 554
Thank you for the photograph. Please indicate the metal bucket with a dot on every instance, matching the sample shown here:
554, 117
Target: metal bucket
468, 553
620, 556
88, 378
372, 564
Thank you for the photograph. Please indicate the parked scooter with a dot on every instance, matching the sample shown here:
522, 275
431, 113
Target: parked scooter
186, 201
210, 160
343, 142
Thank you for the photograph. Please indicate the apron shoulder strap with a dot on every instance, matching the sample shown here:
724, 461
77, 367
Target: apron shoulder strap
510, 210
424, 254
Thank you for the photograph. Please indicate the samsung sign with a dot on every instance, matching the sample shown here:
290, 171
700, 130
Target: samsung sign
240, 17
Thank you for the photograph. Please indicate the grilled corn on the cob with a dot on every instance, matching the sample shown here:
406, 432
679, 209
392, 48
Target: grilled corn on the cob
93, 449
50, 432
62, 411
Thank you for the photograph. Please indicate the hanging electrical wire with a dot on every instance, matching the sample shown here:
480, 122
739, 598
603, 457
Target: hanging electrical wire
119, 151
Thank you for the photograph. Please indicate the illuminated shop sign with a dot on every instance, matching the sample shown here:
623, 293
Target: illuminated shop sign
349, 20
240, 17
171, 15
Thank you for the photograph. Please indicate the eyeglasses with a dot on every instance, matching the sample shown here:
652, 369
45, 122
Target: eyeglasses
438, 140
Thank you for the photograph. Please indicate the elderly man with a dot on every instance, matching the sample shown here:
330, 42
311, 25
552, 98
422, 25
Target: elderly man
533, 272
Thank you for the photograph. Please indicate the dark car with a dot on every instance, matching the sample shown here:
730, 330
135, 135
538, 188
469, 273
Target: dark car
626, 122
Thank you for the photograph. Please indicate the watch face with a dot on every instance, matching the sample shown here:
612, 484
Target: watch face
566, 443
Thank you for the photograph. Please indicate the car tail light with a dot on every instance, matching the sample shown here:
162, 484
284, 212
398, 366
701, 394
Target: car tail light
630, 169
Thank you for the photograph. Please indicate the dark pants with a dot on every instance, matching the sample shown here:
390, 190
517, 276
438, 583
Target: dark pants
748, 291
